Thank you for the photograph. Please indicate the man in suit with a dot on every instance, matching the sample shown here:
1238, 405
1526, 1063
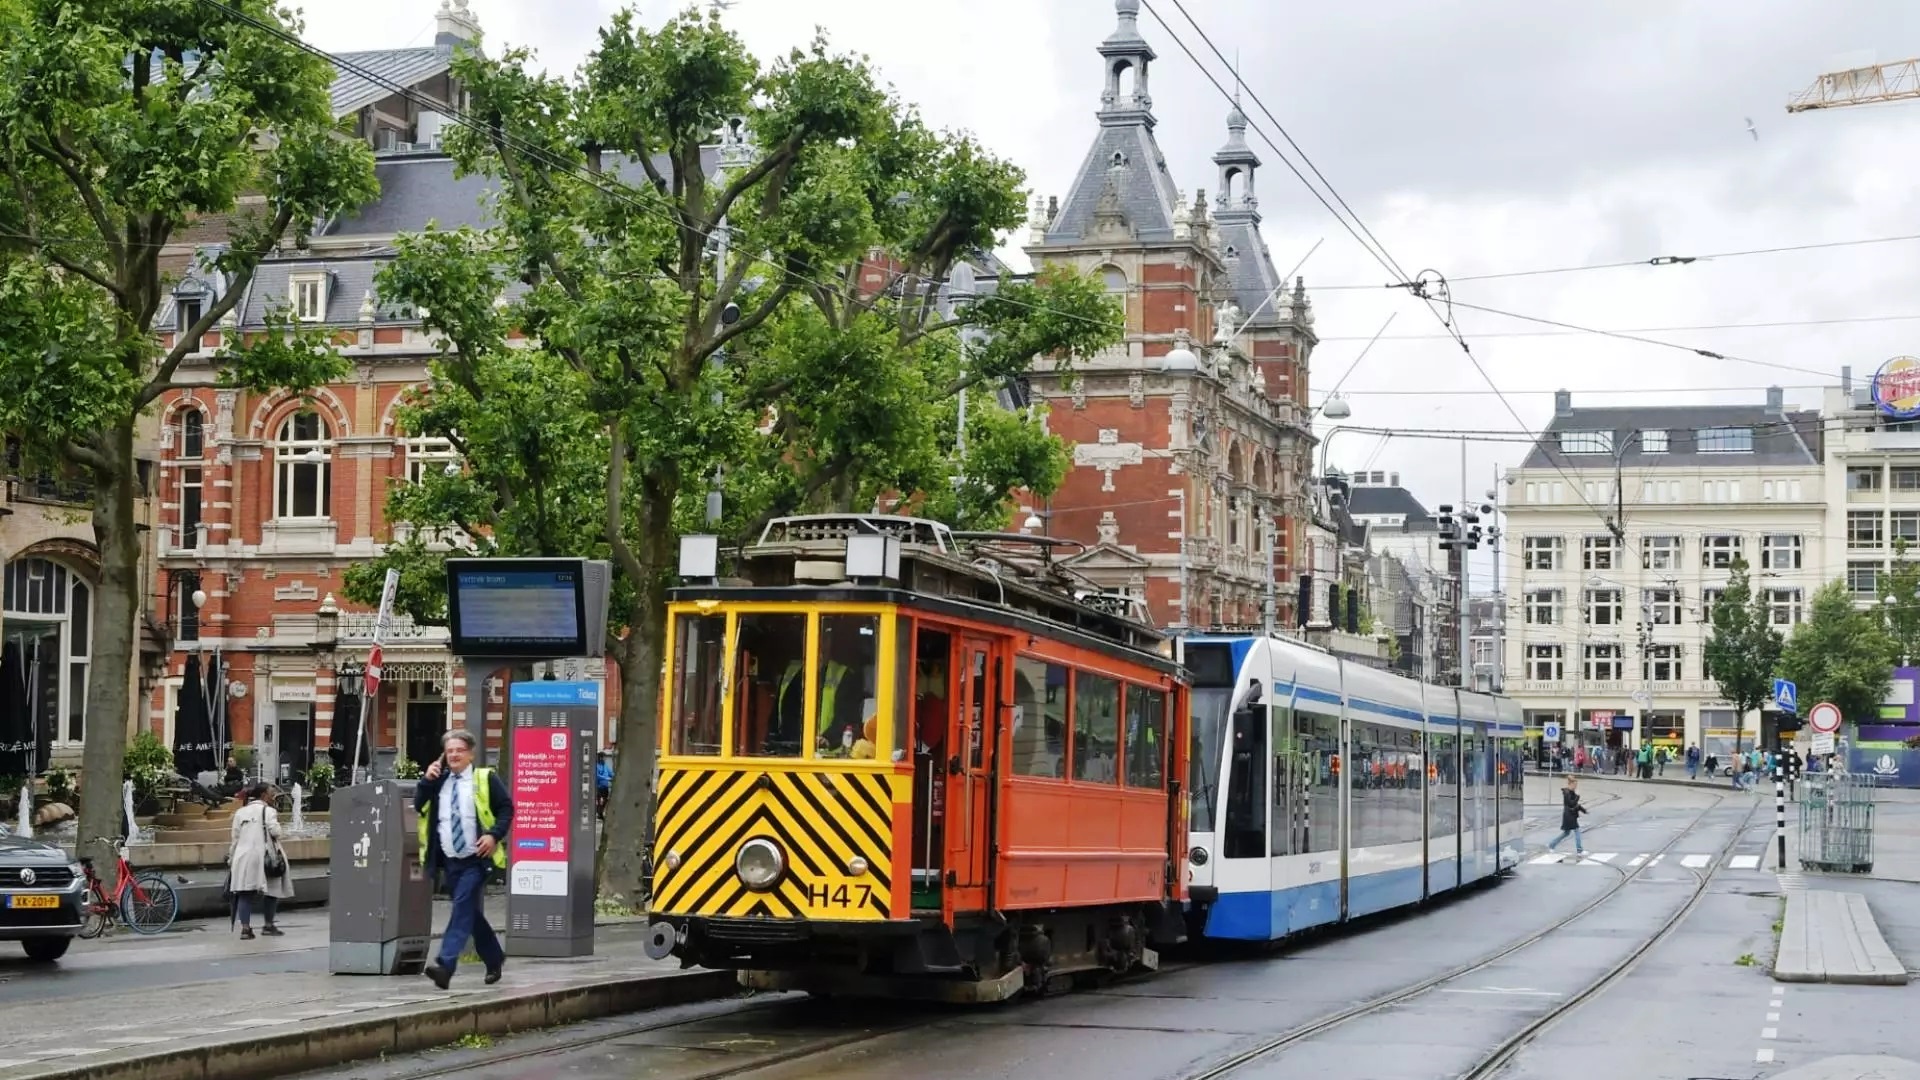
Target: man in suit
465, 812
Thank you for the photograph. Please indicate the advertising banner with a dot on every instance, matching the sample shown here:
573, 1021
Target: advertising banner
550, 850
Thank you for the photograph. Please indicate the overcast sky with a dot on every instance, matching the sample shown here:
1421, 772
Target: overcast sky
1494, 136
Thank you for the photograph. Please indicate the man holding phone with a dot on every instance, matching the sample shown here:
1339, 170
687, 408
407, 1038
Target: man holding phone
463, 835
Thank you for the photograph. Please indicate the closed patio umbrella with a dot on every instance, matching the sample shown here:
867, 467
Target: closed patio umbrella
193, 749
16, 722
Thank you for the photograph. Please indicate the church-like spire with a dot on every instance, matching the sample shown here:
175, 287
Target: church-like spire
1237, 163
1127, 54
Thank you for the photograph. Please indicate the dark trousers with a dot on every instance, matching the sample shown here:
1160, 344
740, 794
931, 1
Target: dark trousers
466, 882
243, 904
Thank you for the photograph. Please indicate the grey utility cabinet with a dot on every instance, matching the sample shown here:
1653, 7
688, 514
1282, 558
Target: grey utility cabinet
380, 898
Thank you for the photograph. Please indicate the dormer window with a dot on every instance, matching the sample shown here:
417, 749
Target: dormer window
310, 297
187, 311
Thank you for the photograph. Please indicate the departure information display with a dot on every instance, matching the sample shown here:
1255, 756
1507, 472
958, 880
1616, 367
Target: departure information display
520, 608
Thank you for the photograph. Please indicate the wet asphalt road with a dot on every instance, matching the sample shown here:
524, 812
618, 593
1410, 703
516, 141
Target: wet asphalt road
1184, 1020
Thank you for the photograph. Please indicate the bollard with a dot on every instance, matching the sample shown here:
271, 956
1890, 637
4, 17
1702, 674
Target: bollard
1780, 807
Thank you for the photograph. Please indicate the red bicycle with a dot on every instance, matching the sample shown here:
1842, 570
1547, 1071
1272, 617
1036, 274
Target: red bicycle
144, 901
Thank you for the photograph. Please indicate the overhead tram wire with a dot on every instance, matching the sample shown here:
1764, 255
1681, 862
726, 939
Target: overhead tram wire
1375, 248
1844, 321
1657, 260
602, 182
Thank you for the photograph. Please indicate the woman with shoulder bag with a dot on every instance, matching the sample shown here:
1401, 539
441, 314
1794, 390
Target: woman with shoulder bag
256, 867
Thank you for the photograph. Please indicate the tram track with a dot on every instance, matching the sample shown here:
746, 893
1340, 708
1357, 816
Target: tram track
1497, 1059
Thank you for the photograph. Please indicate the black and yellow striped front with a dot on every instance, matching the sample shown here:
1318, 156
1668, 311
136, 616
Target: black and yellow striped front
823, 821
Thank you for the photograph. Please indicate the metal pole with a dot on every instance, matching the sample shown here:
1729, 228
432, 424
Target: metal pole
1466, 557
1780, 805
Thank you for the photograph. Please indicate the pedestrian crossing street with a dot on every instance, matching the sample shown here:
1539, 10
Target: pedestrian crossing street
1625, 860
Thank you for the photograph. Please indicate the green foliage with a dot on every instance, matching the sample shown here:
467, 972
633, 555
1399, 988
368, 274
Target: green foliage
1743, 653
406, 768
1900, 592
320, 778
60, 784
148, 763
1840, 654
122, 122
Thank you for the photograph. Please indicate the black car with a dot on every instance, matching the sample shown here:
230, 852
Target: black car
40, 890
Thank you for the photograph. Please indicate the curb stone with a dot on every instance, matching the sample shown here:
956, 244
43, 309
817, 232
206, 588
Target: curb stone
329, 1043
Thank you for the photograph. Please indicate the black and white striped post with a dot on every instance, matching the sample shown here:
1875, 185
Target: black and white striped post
1780, 805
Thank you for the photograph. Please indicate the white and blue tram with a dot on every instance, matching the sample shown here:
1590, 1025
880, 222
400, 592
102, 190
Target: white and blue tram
1323, 790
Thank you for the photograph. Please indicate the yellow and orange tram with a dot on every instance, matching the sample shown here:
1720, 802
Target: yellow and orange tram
901, 759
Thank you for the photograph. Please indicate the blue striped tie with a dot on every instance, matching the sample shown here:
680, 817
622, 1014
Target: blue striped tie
459, 829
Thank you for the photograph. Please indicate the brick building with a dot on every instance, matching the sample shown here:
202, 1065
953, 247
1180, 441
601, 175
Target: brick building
1193, 434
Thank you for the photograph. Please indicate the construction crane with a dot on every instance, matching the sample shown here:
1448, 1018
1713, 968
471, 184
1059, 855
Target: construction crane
1869, 85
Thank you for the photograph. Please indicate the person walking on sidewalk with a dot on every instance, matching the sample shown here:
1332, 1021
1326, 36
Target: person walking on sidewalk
1570, 811
464, 837
250, 878
1693, 762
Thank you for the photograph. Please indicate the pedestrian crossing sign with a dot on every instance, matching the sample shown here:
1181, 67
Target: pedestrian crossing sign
1786, 696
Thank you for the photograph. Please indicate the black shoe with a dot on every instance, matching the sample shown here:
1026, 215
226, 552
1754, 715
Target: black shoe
493, 976
271, 930
440, 976
246, 933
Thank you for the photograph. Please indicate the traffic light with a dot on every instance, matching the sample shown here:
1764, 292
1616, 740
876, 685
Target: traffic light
1462, 531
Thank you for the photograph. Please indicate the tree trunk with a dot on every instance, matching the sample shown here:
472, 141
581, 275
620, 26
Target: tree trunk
116, 608
629, 829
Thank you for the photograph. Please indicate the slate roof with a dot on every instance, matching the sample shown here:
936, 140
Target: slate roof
1249, 268
403, 67
1789, 438
1127, 158
1368, 500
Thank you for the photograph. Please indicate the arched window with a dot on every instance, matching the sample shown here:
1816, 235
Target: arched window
47, 630
192, 449
303, 467
1114, 279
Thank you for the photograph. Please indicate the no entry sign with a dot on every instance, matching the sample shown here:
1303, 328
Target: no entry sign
1824, 718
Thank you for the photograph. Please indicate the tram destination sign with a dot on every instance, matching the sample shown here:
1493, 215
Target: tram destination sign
528, 609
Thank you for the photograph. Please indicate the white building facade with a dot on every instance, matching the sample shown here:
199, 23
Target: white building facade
1609, 590
1873, 478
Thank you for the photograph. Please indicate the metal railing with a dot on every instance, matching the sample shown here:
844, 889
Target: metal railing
1836, 822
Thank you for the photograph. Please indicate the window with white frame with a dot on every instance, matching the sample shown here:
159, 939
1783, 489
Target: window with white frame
1866, 529
48, 614
1543, 607
1904, 478
1780, 551
193, 447
1545, 662
1664, 606
428, 456
1724, 440
303, 467
1653, 442
1604, 663
1783, 606
309, 297
1597, 491
1599, 552
1709, 599
187, 311
1663, 663
1586, 442
1542, 552
1863, 478
1717, 552
1904, 525
1603, 607
1660, 552
1863, 578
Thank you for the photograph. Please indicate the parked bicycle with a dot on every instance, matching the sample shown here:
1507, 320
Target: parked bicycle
143, 900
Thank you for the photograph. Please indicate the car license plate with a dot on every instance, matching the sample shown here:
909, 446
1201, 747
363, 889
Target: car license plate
33, 901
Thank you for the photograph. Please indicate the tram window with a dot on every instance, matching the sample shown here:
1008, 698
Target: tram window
770, 669
699, 643
849, 661
1039, 717
1096, 727
1289, 780
1318, 809
931, 693
1146, 737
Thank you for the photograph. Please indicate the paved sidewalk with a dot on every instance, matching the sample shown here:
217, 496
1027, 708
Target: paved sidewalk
290, 1020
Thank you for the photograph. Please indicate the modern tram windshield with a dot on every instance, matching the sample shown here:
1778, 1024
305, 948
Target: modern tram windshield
1209, 711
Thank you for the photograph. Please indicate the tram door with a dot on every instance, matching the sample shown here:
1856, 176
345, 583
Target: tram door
969, 773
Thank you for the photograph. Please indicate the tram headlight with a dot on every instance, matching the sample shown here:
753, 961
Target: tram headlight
1198, 856
760, 862
673, 860
856, 866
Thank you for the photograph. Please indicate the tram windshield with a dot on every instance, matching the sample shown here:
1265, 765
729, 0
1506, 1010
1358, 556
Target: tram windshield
1209, 718
773, 696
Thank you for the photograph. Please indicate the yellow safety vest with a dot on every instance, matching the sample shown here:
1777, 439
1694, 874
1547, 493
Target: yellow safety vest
829, 688
482, 811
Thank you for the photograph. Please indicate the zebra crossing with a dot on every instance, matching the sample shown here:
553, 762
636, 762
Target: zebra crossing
1632, 861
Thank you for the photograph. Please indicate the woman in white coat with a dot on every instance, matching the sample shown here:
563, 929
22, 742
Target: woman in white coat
256, 831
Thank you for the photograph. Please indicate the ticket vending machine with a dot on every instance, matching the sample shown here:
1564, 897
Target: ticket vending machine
552, 730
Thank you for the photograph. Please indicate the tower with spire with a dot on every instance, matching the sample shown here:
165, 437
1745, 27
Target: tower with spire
1201, 407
